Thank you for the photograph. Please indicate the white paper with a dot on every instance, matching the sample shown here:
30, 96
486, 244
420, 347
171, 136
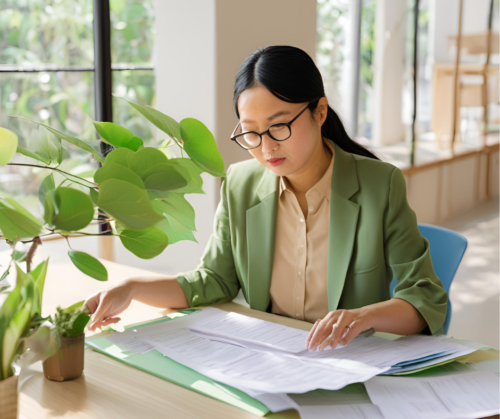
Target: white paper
434, 361
352, 402
467, 395
248, 330
492, 365
257, 372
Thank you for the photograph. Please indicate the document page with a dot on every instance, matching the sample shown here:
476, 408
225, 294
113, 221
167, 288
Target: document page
375, 351
244, 329
466, 395
352, 402
257, 372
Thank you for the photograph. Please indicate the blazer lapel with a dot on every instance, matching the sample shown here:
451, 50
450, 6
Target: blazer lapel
343, 223
261, 230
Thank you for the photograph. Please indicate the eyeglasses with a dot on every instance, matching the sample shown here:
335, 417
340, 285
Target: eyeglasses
251, 139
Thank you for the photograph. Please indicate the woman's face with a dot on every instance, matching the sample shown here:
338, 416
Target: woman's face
259, 108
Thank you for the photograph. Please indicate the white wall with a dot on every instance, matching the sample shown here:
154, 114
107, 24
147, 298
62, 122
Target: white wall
444, 22
200, 46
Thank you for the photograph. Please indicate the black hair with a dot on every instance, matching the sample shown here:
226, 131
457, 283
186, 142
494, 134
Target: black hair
291, 75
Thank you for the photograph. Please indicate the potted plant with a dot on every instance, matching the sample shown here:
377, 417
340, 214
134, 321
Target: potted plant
23, 340
69, 327
137, 194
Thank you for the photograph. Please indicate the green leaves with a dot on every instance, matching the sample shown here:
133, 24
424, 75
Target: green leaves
177, 207
127, 203
71, 321
47, 185
191, 172
68, 208
43, 146
200, 145
117, 171
89, 265
167, 124
198, 141
66, 137
146, 243
163, 177
15, 220
8, 145
118, 136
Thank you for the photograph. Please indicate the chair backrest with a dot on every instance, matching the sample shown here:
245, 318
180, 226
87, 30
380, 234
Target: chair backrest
447, 249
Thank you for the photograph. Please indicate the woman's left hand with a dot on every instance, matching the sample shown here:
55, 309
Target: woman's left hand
339, 326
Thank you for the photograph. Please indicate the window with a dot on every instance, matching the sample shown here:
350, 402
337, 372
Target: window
47, 73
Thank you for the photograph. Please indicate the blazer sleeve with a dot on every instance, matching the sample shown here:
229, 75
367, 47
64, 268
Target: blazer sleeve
214, 281
407, 252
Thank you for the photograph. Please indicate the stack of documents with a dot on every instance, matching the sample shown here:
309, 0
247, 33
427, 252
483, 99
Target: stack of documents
260, 357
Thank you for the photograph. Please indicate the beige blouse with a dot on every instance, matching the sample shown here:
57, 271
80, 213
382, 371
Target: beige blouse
299, 278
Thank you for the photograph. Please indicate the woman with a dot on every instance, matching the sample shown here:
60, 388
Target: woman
313, 227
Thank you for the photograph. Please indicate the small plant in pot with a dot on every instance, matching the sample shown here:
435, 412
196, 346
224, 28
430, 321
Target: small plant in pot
69, 333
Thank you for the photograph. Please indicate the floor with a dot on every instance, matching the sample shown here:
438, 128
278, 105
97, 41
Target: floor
475, 290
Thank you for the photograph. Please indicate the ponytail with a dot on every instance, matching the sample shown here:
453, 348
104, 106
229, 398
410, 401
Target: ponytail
334, 130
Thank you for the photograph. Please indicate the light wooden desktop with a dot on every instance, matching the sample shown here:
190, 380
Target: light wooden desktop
110, 389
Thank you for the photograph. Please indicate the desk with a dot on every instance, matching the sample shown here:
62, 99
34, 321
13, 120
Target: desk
110, 389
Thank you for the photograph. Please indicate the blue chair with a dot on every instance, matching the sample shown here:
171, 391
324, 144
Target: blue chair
447, 250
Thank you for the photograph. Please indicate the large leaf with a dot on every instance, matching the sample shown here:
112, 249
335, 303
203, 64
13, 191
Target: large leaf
74, 307
38, 274
142, 161
200, 145
33, 155
117, 135
177, 207
70, 139
47, 184
8, 145
45, 145
128, 204
15, 220
167, 124
163, 177
8, 310
117, 171
175, 230
191, 172
13, 333
120, 156
78, 326
89, 265
12, 203
146, 243
72, 209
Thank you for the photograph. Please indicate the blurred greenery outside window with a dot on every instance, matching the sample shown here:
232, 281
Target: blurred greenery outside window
57, 35
332, 27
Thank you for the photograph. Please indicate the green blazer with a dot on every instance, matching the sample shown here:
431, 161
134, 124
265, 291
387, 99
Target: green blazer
373, 234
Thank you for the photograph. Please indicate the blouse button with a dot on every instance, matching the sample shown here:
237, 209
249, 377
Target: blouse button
311, 208
301, 219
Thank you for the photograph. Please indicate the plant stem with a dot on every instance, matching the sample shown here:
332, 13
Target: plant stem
31, 253
55, 169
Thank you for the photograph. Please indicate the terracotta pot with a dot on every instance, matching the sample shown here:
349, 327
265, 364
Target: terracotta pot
67, 363
8, 398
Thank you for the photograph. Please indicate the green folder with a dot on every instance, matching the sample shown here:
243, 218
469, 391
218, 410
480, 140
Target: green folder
155, 363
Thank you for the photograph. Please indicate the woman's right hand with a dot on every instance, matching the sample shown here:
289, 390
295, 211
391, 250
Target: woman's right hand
106, 304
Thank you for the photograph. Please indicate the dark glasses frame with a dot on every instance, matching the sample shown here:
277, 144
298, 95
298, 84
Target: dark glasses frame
288, 124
